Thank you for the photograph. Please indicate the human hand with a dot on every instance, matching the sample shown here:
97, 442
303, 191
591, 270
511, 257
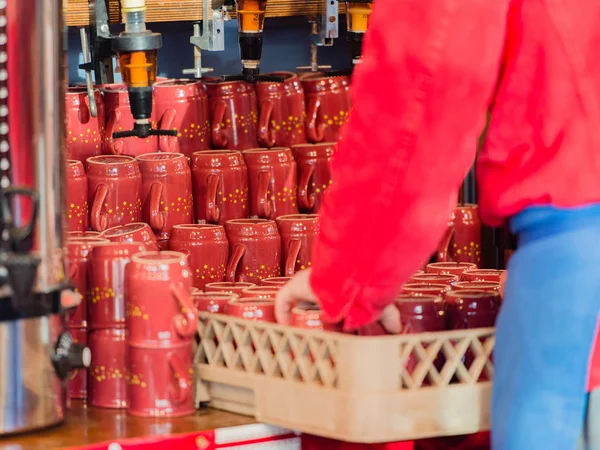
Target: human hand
298, 290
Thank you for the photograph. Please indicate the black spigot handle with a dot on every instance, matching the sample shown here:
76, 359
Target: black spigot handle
251, 78
134, 133
17, 235
338, 73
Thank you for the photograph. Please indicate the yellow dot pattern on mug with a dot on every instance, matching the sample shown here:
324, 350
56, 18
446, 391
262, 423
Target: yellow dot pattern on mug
244, 123
101, 373
205, 273
85, 137
335, 120
301, 265
183, 206
196, 132
78, 212
98, 294
136, 311
136, 380
124, 211
285, 195
293, 125
235, 197
262, 271
320, 188
471, 251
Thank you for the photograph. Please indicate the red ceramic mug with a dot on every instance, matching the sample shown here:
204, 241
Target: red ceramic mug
327, 106
421, 314
106, 301
314, 174
472, 308
182, 105
255, 309
160, 380
254, 250
275, 281
263, 292
119, 118
298, 232
133, 232
483, 275
273, 182
234, 114
308, 317
228, 287
435, 278
84, 132
114, 185
450, 268
107, 375
77, 197
159, 305
78, 258
207, 249
462, 240
281, 111
220, 180
417, 289
166, 191
77, 385
213, 302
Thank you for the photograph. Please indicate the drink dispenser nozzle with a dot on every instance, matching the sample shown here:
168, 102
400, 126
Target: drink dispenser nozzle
357, 18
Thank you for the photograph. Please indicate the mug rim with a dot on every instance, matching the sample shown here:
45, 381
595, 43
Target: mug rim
125, 159
298, 217
86, 239
123, 229
253, 301
473, 294
154, 156
253, 151
216, 152
229, 284
197, 226
158, 257
249, 221
427, 298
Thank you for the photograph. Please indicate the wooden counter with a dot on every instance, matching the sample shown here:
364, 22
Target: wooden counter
87, 425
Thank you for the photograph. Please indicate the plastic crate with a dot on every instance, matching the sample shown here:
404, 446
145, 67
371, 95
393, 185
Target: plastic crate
351, 388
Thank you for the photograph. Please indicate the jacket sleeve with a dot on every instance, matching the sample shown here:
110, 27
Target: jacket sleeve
419, 102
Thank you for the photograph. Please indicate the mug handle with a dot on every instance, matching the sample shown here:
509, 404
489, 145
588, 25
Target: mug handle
444, 247
290, 261
263, 204
157, 218
113, 146
219, 137
185, 322
84, 111
314, 131
168, 143
183, 390
239, 250
266, 136
306, 201
98, 219
213, 214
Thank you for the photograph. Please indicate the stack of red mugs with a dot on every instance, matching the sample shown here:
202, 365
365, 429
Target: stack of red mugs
78, 254
107, 339
161, 323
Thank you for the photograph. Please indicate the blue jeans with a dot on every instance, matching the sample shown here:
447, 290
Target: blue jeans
545, 330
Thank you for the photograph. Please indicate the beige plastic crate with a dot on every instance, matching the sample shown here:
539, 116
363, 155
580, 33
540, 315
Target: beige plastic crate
346, 387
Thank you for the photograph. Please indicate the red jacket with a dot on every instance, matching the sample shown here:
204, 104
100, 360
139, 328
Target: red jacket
431, 71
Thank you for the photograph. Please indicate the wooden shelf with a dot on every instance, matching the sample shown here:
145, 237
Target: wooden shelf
77, 13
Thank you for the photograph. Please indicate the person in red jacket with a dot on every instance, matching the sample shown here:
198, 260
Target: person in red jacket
431, 71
